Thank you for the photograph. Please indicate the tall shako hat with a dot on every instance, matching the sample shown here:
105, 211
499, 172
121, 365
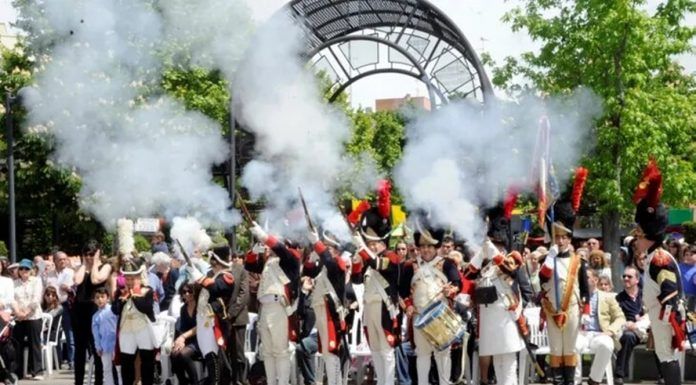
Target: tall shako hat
566, 208
374, 222
221, 254
651, 215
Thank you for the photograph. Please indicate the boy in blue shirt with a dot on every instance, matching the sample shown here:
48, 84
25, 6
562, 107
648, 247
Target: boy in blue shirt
104, 331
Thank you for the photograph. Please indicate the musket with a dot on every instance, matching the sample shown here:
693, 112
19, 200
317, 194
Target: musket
243, 207
308, 218
183, 252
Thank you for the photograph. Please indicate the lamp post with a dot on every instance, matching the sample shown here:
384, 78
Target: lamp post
9, 99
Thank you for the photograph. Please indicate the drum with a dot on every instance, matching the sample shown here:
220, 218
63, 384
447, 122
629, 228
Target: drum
440, 325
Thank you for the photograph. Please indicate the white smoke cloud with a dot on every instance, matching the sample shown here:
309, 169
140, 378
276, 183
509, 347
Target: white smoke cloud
189, 232
138, 153
299, 137
465, 156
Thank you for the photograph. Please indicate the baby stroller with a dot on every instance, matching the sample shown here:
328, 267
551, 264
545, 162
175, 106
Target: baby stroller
8, 353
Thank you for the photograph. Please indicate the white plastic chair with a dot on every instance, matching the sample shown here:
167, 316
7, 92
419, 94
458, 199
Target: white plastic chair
46, 356
168, 324
250, 351
537, 337
53, 344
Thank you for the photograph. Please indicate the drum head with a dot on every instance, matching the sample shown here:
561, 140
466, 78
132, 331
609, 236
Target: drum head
431, 312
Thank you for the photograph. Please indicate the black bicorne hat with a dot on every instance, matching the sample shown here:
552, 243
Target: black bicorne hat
374, 227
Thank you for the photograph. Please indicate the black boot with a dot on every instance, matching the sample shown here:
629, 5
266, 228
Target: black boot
670, 372
213, 366
556, 376
568, 375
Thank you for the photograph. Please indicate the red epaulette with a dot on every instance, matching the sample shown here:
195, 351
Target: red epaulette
228, 277
393, 257
319, 247
251, 257
271, 241
661, 258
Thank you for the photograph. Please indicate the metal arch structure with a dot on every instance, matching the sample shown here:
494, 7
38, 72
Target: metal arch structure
354, 39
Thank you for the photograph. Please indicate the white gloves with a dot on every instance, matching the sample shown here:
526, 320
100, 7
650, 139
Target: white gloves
551, 257
194, 274
258, 232
313, 237
358, 241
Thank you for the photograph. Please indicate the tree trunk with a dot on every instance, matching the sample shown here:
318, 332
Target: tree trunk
611, 239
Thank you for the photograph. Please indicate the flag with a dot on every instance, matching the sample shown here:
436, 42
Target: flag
542, 176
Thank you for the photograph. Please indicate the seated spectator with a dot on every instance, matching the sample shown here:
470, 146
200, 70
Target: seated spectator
52, 306
601, 329
583, 253
158, 244
687, 268
599, 263
605, 284
631, 302
185, 350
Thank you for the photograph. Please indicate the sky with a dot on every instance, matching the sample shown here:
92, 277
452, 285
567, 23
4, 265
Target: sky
479, 20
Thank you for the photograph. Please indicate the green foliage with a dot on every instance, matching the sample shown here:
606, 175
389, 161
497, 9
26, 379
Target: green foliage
200, 90
141, 243
625, 56
3, 249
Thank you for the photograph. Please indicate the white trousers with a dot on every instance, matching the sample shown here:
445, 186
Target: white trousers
442, 359
107, 362
505, 366
131, 341
275, 346
662, 334
602, 347
383, 357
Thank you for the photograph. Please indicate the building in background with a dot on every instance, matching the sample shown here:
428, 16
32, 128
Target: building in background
8, 39
393, 104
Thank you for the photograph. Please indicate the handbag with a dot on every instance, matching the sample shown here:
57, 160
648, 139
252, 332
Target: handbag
485, 295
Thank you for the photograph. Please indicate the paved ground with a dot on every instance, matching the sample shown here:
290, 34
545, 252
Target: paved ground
65, 377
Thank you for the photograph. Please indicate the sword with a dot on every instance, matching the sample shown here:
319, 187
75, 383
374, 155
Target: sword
308, 218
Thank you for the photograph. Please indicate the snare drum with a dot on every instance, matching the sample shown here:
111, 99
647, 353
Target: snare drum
440, 324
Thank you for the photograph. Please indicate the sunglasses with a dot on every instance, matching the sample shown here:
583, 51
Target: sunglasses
626, 276
24, 269
186, 292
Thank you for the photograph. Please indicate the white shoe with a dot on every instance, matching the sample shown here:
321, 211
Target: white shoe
38, 378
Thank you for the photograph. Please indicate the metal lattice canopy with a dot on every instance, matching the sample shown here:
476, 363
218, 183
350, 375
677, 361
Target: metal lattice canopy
354, 39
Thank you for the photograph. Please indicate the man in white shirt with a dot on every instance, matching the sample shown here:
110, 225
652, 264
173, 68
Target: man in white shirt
63, 282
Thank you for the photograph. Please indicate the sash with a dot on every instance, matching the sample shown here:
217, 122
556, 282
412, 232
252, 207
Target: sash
560, 316
379, 284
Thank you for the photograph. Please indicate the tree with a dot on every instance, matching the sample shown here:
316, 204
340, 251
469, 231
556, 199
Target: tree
626, 56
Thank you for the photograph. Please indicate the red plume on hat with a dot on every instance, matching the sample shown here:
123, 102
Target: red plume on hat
510, 201
355, 215
384, 198
650, 186
578, 187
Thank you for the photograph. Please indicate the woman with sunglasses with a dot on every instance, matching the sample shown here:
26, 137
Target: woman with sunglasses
185, 350
91, 275
28, 289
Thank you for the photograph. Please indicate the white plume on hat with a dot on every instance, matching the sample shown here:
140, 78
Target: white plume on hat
126, 242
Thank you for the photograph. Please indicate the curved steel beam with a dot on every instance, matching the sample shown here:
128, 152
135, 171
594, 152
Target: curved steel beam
363, 75
423, 76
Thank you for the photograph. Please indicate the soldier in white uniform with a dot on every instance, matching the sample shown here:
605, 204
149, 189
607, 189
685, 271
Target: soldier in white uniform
565, 292
430, 278
278, 289
661, 279
501, 322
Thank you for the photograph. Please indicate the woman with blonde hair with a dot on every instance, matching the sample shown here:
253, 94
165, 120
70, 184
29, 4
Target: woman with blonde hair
597, 262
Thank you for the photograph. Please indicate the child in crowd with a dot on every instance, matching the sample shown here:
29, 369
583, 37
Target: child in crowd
104, 331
